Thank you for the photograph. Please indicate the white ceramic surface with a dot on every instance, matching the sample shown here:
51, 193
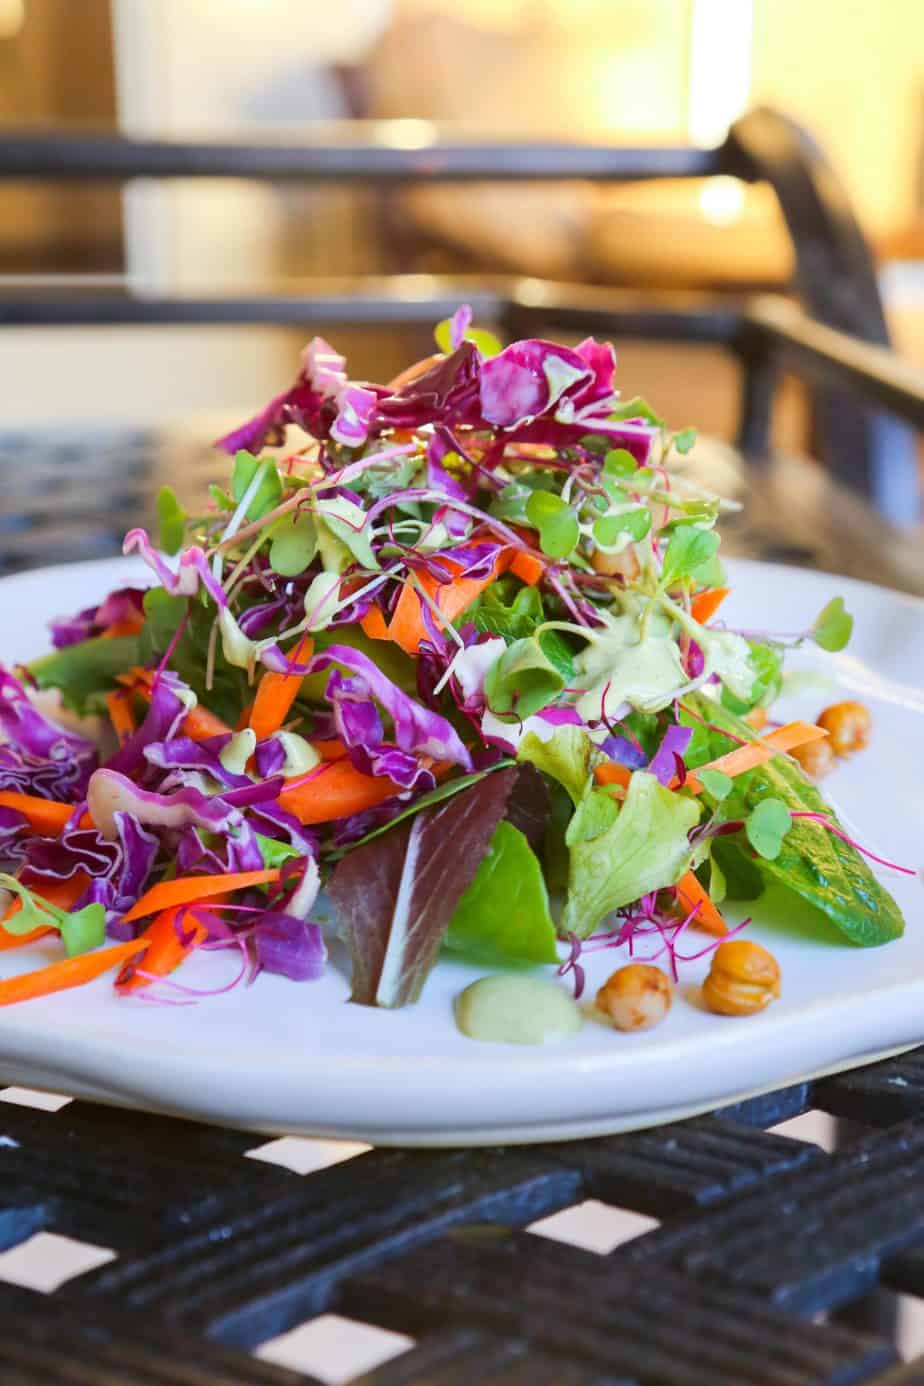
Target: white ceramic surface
289, 1058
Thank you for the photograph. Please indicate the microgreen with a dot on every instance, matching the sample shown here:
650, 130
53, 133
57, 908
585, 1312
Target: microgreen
523, 680
268, 492
684, 440
766, 826
619, 462
556, 522
833, 626
636, 408
716, 783
294, 544
486, 342
609, 529
80, 930
689, 549
171, 518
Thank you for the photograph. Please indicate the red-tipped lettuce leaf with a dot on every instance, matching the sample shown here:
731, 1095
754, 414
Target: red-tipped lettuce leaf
394, 896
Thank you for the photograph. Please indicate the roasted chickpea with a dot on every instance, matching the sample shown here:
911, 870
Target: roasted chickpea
635, 997
817, 758
848, 725
743, 978
624, 564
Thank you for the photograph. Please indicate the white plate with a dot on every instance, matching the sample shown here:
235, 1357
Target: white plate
297, 1058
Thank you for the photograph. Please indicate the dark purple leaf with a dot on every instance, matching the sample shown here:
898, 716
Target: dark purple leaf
394, 896
529, 805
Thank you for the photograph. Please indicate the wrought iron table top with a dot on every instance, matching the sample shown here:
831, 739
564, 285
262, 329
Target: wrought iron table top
772, 1262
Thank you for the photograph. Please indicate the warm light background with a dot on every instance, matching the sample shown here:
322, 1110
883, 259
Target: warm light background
618, 70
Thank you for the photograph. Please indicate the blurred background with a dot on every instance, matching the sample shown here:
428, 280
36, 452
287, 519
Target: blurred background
618, 71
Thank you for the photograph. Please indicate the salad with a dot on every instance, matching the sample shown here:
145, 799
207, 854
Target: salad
442, 666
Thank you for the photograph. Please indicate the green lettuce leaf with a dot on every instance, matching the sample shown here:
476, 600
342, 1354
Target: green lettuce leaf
813, 863
503, 917
569, 757
81, 672
644, 846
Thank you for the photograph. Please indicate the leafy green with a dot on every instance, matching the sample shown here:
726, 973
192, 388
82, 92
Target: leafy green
558, 652
486, 342
80, 930
636, 408
269, 486
293, 545
513, 620
813, 863
229, 693
688, 549
741, 876
503, 917
171, 518
523, 680
80, 672
556, 522
766, 826
433, 796
275, 853
716, 784
644, 848
767, 664
684, 440
833, 626
569, 758
610, 528
346, 522
619, 462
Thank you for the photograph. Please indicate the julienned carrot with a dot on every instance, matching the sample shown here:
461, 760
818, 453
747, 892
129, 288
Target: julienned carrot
276, 693
165, 936
691, 894
611, 772
186, 890
526, 566
198, 725
44, 817
71, 972
335, 790
129, 625
704, 606
119, 705
330, 750
407, 627
756, 753
64, 894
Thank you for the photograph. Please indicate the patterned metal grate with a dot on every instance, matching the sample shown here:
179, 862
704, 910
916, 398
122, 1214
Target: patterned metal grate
203, 1262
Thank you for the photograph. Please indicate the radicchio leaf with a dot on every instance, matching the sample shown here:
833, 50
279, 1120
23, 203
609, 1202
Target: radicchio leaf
394, 896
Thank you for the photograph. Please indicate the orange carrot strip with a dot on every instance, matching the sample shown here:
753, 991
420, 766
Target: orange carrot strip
613, 773
526, 566
276, 693
335, 790
690, 894
129, 625
412, 372
167, 949
244, 720
756, 753
704, 606
119, 703
64, 894
330, 750
189, 889
72, 972
45, 818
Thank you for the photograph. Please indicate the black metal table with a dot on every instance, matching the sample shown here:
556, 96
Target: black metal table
773, 1262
